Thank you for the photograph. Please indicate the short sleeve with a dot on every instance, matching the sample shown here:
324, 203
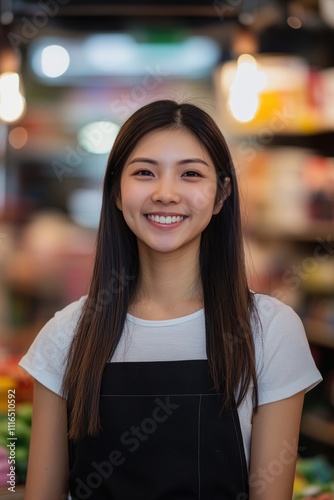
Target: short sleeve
47, 356
284, 361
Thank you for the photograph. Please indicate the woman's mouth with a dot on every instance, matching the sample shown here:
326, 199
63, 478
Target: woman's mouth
166, 220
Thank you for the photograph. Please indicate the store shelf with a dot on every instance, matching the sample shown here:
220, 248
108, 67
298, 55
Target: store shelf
317, 140
290, 227
319, 333
319, 232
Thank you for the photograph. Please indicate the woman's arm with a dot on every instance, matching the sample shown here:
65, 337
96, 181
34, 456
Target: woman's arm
274, 448
47, 476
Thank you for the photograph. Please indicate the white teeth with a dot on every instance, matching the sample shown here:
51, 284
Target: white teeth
165, 220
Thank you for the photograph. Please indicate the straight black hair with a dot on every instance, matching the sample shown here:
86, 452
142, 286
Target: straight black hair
228, 303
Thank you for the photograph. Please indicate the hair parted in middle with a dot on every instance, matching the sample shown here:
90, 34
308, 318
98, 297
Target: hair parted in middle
229, 305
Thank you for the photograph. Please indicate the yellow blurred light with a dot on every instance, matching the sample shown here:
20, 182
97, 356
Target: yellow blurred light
12, 103
246, 86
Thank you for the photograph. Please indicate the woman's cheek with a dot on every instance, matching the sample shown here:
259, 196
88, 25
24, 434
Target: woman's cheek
204, 197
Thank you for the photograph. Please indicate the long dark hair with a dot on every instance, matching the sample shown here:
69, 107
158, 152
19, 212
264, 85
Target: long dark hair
228, 302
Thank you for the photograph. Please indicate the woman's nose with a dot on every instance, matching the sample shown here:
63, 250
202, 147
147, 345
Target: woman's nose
166, 191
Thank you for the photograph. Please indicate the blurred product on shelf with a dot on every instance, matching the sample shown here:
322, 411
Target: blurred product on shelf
52, 247
288, 192
49, 266
314, 479
22, 434
14, 379
319, 178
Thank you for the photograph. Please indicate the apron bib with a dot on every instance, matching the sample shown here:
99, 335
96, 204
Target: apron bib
162, 438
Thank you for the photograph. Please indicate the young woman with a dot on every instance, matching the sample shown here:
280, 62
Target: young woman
171, 379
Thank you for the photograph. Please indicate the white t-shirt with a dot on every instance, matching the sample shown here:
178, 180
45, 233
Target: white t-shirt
283, 359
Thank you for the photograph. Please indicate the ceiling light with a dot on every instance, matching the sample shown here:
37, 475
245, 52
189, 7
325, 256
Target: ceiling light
123, 55
98, 137
12, 102
244, 91
54, 60
120, 55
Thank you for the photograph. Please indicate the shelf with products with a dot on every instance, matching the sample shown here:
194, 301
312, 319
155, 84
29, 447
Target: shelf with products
321, 232
314, 479
288, 209
16, 389
46, 267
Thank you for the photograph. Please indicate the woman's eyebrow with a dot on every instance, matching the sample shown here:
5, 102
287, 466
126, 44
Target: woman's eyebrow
181, 162
193, 160
143, 160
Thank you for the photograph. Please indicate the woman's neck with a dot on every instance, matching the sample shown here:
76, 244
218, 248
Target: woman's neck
169, 284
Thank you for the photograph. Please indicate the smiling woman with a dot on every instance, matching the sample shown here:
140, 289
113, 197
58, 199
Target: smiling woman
169, 194
171, 379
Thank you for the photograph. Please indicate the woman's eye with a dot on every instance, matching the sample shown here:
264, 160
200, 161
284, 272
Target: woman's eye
143, 172
191, 173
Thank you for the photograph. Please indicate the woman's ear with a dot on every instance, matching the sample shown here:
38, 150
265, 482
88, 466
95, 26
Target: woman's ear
119, 203
225, 194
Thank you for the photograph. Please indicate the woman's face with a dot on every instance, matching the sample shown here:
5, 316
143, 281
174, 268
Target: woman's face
168, 190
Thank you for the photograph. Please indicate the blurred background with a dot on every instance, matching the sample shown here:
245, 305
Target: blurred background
72, 72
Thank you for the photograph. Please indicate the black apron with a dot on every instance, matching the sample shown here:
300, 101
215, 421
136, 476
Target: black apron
162, 438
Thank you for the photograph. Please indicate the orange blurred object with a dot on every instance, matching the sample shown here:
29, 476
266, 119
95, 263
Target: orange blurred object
17, 379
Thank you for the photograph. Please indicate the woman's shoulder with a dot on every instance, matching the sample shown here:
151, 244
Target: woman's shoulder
61, 327
279, 331
47, 356
269, 309
285, 364
70, 314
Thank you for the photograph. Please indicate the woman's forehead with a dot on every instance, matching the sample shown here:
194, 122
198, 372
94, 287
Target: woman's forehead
171, 140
